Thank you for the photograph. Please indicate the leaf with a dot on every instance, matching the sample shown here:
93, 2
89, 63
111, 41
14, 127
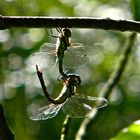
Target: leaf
135, 7
130, 133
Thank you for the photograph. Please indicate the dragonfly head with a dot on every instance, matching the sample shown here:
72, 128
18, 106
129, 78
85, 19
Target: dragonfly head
70, 78
67, 32
74, 79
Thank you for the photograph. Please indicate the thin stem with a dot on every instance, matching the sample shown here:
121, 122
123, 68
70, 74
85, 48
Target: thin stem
7, 22
112, 81
120, 67
65, 128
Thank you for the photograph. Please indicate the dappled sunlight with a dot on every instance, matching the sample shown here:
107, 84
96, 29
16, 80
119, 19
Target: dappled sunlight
15, 61
14, 79
4, 35
36, 34
106, 11
94, 61
134, 84
116, 97
80, 8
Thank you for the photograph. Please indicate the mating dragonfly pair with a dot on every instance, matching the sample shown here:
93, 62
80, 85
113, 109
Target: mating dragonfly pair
74, 104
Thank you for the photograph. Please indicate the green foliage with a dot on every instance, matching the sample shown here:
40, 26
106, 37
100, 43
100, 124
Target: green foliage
130, 133
135, 6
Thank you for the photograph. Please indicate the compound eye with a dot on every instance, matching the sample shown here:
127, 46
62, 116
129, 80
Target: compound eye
76, 80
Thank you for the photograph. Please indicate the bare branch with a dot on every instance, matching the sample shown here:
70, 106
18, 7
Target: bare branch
7, 22
106, 91
120, 67
5, 132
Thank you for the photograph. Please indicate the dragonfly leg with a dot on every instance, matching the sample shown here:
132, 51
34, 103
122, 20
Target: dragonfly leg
51, 34
59, 30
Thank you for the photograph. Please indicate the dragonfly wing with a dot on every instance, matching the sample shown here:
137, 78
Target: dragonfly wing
52, 110
79, 106
75, 56
42, 59
94, 49
78, 55
48, 47
46, 112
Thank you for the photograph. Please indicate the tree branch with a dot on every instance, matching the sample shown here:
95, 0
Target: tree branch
7, 22
87, 126
5, 132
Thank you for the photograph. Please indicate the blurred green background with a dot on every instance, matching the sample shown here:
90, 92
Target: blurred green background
20, 88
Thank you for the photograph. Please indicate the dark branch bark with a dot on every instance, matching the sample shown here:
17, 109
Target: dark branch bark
5, 132
7, 22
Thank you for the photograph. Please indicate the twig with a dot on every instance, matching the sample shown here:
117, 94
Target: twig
5, 132
65, 128
120, 67
112, 81
7, 22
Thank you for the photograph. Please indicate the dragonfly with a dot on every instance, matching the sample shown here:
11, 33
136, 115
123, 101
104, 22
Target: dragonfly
73, 104
51, 54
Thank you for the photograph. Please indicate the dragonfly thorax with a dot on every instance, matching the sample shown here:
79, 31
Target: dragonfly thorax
67, 32
62, 43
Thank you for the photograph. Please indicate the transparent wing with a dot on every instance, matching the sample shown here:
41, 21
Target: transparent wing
93, 49
80, 105
44, 58
46, 112
75, 56
48, 47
